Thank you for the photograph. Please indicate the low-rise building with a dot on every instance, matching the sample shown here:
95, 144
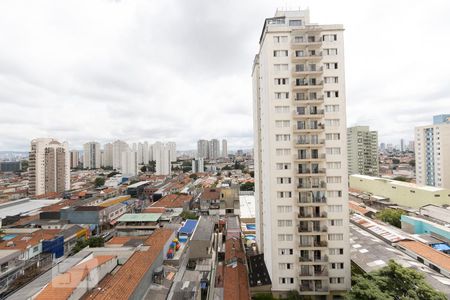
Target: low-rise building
399, 192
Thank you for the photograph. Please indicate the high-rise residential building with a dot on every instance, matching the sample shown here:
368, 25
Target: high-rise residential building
390, 148
146, 153
91, 155
411, 146
161, 154
198, 165
432, 151
129, 163
362, 151
119, 147
300, 155
49, 167
382, 147
75, 160
402, 145
202, 149
173, 151
224, 148
214, 149
140, 153
108, 155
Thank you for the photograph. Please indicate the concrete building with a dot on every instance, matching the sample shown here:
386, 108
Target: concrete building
119, 147
75, 159
399, 192
198, 165
362, 145
108, 155
10, 166
172, 151
91, 155
433, 153
49, 166
129, 163
224, 148
214, 149
300, 155
202, 149
162, 156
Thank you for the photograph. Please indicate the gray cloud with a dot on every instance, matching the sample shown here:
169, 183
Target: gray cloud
180, 70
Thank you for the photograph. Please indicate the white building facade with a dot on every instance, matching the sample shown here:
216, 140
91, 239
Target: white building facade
224, 148
129, 163
91, 155
300, 155
362, 150
432, 152
118, 147
202, 149
49, 166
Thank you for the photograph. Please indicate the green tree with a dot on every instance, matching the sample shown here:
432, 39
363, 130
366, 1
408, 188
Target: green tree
112, 174
392, 282
412, 163
193, 176
99, 181
391, 216
395, 161
247, 186
188, 215
93, 242
263, 296
151, 166
144, 169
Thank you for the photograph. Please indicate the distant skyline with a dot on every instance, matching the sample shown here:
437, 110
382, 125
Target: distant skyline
181, 70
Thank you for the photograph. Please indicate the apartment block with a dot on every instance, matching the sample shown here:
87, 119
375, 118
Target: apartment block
432, 151
118, 147
362, 146
91, 155
224, 148
49, 166
75, 159
108, 155
300, 155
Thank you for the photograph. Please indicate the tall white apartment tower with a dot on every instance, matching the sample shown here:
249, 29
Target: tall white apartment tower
74, 159
172, 151
108, 155
432, 151
362, 151
214, 149
129, 163
224, 148
300, 154
161, 154
119, 147
202, 149
91, 155
49, 167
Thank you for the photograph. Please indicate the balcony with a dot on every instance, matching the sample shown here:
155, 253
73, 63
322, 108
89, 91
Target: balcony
312, 200
309, 157
310, 229
307, 85
310, 114
310, 172
310, 186
317, 99
317, 70
313, 273
310, 142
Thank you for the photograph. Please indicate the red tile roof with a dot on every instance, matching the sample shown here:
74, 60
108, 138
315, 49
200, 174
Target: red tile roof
436, 257
173, 201
128, 277
24, 240
63, 285
235, 283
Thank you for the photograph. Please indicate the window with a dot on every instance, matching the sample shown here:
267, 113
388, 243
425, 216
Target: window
333, 136
282, 151
332, 94
300, 68
280, 39
35, 249
284, 251
285, 266
331, 79
283, 166
331, 108
330, 51
336, 280
332, 122
336, 222
282, 137
298, 39
333, 151
334, 165
334, 208
284, 208
329, 37
280, 67
331, 66
280, 53
335, 237
334, 179
282, 123
295, 22
285, 237
337, 266
299, 53
336, 251
286, 280
284, 180
284, 223
334, 194
282, 109
284, 194
281, 81
281, 95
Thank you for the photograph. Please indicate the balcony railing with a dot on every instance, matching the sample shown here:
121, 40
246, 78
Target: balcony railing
318, 98
309, 185
309, 156
310, 142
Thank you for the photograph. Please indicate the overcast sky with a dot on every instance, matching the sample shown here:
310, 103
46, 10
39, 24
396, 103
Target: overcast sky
181, 70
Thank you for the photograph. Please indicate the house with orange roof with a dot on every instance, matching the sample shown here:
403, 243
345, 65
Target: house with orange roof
80, 279
131, 281
174, 201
